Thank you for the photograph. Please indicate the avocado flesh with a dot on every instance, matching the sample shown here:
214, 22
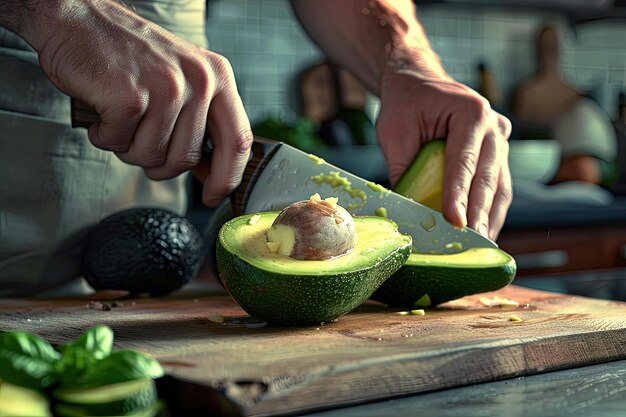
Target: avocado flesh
423, 180
447, 277
287, 291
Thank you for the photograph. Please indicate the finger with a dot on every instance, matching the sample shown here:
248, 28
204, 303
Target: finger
392, 130
202, 170
485, 183
503, 198
185, 147
118, 125
464, 141
148, 148
230, 130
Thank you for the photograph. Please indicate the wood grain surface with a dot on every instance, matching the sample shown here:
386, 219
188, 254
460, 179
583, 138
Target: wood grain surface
371, 354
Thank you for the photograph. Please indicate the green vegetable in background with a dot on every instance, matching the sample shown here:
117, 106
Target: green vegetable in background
27, 360
302, 133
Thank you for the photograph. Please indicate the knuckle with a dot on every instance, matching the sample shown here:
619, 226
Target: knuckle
202, 82
222, 68
505, 197
465, 161
479, 107
173, 87
134, 105
152, 159
243, 141
460, 189
487, 181
187, 161
505, 126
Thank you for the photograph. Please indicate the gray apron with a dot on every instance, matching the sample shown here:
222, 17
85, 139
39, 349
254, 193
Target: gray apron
54, 185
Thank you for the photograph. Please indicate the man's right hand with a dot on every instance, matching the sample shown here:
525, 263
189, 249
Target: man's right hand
155, 93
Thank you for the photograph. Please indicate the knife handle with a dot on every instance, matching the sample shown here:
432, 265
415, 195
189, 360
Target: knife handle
263, 149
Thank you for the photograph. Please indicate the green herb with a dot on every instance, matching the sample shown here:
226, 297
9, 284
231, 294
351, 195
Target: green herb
81, 355
120, 366
97, 340
27, 360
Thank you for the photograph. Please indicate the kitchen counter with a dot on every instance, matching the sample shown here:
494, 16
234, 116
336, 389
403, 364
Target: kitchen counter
591, 391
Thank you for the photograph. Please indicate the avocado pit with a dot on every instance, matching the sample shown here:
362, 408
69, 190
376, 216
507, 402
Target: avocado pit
313, 229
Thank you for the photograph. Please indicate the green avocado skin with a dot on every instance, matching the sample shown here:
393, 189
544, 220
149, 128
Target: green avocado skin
142, 250
284, 299
441, 283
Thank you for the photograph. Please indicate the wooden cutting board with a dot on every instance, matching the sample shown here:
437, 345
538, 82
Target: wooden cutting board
242, 367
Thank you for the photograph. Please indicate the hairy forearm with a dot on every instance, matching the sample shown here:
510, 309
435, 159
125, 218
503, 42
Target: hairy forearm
13, 13
371, 38
34, 20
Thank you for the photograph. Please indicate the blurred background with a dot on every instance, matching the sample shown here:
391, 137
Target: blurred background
556, 68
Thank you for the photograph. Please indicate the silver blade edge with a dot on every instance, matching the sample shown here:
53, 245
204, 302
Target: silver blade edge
288, 178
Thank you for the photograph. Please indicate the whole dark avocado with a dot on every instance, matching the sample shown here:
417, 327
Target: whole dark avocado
142, 250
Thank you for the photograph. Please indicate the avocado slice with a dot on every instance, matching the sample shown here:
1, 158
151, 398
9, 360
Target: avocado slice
142, 250
427, 280
287, 291
423, 180
16, 401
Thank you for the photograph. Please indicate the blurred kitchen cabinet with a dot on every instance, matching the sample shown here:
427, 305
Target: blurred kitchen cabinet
544, 251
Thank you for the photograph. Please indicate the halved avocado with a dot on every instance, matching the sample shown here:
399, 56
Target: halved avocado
423, 180
287, 291
427, 280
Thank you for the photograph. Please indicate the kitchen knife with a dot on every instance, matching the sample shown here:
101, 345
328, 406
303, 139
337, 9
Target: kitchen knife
279, 174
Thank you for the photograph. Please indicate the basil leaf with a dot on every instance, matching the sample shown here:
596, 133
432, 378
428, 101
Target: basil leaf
119, 366
76, 360
27, 360
97, 340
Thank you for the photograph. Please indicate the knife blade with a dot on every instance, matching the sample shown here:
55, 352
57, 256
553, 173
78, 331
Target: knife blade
279, 174
290, 175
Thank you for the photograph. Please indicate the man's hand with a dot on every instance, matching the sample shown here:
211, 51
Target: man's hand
383, 44
155, 93
477, 181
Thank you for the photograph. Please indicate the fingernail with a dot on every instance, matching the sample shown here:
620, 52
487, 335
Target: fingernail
462, 212
483, 230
